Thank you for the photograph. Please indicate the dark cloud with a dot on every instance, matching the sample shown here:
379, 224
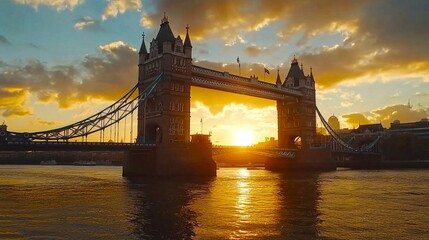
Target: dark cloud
4, 41
391, 38
398, 25
380, 37
225, 19
106, 76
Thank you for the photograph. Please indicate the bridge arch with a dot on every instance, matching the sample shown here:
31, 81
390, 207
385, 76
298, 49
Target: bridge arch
293, 141
153, 133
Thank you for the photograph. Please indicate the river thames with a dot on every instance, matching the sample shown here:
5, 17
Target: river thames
77, 202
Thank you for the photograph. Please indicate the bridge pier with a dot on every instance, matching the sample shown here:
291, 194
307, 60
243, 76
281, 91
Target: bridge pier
178, 159
304, 160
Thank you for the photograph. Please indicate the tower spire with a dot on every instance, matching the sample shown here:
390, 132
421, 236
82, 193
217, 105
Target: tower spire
143, 46
164, 19
278, 81
187, 42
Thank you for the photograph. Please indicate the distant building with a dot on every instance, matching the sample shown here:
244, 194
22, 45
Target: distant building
269, 142
420, 128
369, 129
3, 132
3, 127
334, 123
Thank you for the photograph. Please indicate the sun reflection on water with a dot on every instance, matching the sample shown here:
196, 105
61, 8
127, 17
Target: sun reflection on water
243, 204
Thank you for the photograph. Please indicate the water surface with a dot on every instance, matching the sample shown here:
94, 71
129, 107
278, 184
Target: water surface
77, 202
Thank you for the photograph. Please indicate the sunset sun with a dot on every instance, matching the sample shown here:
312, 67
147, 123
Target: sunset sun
243, 137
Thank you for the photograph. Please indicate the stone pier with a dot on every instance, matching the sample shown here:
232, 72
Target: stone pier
178, 159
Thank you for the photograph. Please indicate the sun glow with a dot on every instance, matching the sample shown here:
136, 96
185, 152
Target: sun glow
243, 137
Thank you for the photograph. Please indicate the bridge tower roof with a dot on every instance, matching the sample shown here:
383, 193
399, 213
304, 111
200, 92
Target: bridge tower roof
295, 71
164, 34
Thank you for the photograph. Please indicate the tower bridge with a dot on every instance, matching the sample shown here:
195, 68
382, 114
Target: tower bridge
163, 144
165, 117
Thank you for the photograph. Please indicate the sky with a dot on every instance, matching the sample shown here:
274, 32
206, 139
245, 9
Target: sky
64, 60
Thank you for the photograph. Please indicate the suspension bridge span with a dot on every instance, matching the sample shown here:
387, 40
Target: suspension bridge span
163, 144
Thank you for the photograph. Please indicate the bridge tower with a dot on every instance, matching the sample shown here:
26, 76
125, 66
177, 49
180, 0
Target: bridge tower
165, 117
297, 117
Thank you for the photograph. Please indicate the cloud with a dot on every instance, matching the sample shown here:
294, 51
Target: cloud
254, 50
403, 113
32, 45
234, 40
223, 18
87, 23
40, 121
422, 94
106, 76
13, 102
371, 44
356, 119
388, 114
226, 19
116, 7
377, 47
59, 5
349, 98
4, 41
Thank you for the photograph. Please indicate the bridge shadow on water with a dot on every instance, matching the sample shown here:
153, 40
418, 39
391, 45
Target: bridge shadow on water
299, 194
161, 207
167, 208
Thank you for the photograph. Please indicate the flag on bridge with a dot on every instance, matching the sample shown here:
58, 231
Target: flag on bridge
266, 71
239, 66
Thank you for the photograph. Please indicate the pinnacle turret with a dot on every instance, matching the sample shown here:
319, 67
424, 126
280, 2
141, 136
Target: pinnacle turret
143, 49
187, 39
278, 81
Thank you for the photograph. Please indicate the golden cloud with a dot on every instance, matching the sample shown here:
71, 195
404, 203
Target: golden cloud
356, 119
116, 7
105, 76
388, 114
372, 45
59, 5
13, 102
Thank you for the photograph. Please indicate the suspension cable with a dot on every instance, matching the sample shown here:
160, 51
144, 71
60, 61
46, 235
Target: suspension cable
107, 117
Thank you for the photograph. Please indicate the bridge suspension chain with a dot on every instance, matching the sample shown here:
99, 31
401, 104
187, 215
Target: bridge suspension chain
99, 121
338, 139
